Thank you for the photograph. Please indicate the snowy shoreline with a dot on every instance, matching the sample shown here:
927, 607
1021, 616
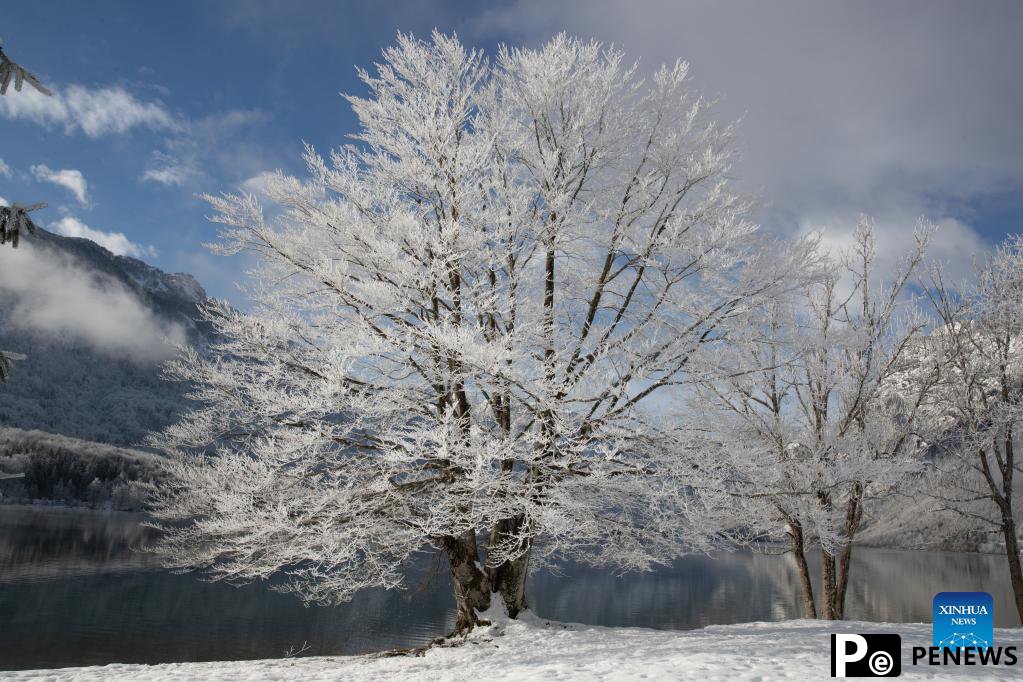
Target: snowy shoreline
532, 648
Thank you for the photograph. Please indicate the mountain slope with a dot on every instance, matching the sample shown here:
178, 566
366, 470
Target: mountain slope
86, 385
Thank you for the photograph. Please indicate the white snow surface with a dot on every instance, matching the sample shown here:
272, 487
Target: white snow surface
531, 648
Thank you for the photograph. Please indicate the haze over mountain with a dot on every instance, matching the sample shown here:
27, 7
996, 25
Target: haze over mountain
95, 327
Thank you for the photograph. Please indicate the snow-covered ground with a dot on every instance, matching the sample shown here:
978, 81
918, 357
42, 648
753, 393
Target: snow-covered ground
535, 649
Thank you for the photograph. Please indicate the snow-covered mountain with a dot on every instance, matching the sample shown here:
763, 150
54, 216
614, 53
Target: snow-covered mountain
92, 368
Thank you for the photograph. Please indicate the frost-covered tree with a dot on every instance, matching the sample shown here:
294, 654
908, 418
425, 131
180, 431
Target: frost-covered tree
975, 410
457, 323
811, 422
14, 221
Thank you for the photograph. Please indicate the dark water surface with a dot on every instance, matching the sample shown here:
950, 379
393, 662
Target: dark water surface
73, 592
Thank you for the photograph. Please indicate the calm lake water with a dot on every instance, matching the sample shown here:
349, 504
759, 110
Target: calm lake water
73, 592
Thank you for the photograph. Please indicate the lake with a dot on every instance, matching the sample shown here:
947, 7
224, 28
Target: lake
73, 591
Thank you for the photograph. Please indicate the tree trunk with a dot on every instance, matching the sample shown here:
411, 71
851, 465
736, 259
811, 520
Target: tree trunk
829, 585
509, 577
806, 586
853, 515
844, 560
1012, 554
1008, 467
470, 583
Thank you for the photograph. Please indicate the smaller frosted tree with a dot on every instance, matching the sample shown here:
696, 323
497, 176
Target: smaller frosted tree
809, 427
976, 409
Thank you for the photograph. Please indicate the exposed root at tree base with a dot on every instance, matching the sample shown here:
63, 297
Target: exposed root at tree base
452, 639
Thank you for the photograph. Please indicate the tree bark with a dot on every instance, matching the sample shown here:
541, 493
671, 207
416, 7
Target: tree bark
509, 577
470, 583
806, 585
853, 515
1008, 468
844, 559
1012, 555
829, 585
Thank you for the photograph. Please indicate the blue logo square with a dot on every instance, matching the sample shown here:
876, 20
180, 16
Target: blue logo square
963, 620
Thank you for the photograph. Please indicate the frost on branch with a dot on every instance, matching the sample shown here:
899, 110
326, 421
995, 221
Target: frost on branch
461, 322
10, 71
15, 220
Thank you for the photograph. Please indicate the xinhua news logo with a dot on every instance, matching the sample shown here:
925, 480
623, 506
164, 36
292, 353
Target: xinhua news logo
866, 655
964, 633
963, 620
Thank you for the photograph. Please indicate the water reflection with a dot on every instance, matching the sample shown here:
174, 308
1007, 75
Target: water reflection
72, 592
886, 585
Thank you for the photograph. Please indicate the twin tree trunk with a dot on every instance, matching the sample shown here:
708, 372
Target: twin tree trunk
473, 587
834, 580
834, 568
509, 577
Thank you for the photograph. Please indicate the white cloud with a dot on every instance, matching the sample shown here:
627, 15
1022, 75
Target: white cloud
170, 175
115, 242
3, 202
96, 112
256, 184
891, 109
69, 178
201, 146
56, 295
5, 170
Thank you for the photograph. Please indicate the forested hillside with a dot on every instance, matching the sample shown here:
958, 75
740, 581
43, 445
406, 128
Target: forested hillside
75, 386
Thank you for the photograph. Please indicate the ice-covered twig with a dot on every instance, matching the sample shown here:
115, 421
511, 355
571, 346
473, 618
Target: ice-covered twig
9, 70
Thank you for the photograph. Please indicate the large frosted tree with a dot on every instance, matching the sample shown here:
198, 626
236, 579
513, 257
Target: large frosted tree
458, 323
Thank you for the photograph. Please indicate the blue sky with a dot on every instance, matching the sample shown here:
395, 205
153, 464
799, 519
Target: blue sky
899, 110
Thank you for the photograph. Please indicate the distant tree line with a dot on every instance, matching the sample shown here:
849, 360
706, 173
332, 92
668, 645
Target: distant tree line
75, 472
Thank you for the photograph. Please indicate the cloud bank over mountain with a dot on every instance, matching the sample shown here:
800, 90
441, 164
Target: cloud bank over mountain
94, 326
56, 295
